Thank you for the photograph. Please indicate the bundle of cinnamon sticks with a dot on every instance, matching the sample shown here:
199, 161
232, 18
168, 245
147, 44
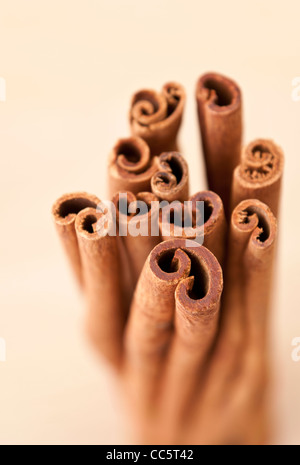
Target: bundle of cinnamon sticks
180, 307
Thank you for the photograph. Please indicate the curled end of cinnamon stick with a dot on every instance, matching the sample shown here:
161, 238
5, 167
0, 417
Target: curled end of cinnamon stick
156, 117
213, 209
259, 174
254, 219
86, 223
261, 164
66, 208
203, 221
171, 181
64, 212
131, 154
195, 269
149, 107
175, 96
220, 93
130, 166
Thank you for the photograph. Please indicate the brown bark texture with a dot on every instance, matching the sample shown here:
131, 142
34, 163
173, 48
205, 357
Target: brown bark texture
208, 224
103, 284
171, 180
64, 212
259, 175
130, 166
219, 102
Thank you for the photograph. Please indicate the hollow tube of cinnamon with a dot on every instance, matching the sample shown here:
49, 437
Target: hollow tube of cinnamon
219, 102
252, 239
103, 285
247, 292
177, 273
259, 175
64, 213
156, 117
130, 166
238, 370
196, 321
171, 180
213, 227
139, 234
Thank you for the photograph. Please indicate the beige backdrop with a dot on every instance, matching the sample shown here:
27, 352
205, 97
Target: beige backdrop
70, 68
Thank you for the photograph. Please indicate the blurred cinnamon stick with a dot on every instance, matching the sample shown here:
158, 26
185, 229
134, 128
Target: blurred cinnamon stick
196, 322
103, 285
174, 276
259, 175
238, 375
130, 166
249, 270
64, 213
219, 102
156, 117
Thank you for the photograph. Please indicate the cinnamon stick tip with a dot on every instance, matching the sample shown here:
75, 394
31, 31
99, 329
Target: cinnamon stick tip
220, 92
173, 261
130, 152
255, 217
172, 174
262, 163
66, 207
86, 223
213, 207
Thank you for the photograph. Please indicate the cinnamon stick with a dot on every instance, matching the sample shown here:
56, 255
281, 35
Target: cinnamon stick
196, 321
238, 376
174, 276
259, 175
138, 234
171, 181
211, 229
64, 213
156, 117
103, 285
219, 102
252, 240
130, 166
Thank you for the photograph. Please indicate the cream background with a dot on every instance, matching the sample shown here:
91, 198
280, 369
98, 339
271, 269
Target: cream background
70, 69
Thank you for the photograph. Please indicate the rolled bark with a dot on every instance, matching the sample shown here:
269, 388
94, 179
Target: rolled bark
249, 271
210, 231
175, 278
238, 376
138, 246
196, 324
103, 285
171, 181
259, 174
64, 213
130, 166
156, 117
219, 102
